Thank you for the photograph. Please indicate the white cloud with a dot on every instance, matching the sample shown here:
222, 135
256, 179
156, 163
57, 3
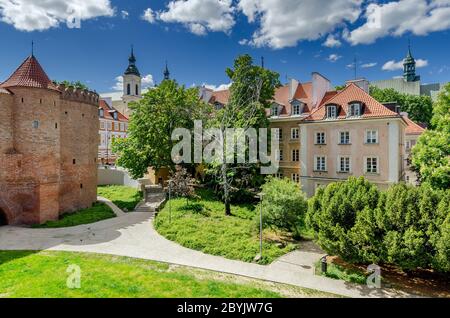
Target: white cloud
283, 23
243, 42
124, 14
217, 88
32, 15
394, 66
147, 81
331, 41
200, 16
369, 65
149, 15
333, 58
396, 18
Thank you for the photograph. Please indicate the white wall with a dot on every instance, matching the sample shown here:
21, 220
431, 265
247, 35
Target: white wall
116, 177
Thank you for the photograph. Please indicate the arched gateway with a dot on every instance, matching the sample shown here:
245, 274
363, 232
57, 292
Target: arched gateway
3, 218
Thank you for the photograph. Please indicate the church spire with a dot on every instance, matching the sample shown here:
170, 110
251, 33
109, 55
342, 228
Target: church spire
132, 68
166, 73
409, 67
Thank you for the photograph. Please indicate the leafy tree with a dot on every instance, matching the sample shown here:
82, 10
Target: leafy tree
441, 237
76, 84
419, 108
252, 89
284, 205
431, 155
155, 116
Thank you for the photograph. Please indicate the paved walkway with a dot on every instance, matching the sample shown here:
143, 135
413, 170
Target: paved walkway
133, 235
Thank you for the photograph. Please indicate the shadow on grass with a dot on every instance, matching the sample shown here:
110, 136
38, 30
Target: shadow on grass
9, 256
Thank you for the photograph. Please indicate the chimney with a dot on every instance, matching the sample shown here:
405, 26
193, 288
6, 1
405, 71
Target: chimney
320, 86
361, 83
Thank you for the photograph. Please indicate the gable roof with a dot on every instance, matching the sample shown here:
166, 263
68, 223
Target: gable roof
413, 128
29, 74
108, 111
352, 93
221, 97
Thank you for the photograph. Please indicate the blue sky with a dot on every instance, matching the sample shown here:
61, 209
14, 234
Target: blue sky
198, 49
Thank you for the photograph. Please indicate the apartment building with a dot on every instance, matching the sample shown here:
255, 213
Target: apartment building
113, 124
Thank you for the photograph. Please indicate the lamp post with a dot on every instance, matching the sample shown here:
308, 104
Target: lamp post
170, 201
261, 197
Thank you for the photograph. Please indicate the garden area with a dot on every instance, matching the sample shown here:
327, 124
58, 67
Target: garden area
126, 198
104, 276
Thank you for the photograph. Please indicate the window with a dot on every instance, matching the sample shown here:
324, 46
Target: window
275, 111
408, 145
320, 138
128, 89
137, 90
36, 124
331, 112
344, 164
371, 136
295, 155
296, 109
122, 127
109, 125
279, 153
279, 133
354, 110
295, 177
344, 138
295, 133
102, 125
115, 115
371, 165
101, 113
320, 163
279, 175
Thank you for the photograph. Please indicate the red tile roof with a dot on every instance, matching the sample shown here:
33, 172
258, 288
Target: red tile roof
29, 74
221, 97
413, 128
352, 93
107, 111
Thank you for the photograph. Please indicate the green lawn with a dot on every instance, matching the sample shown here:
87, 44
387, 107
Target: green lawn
202, 225
44, 274
126, 198
98, 212
336, 271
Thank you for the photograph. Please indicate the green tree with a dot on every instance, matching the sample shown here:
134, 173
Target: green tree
76, 84
160, 111
441, 237
431, 155
251, 91
419, 108
284, 205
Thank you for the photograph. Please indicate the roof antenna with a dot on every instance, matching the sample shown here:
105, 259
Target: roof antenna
32, 48
262, 61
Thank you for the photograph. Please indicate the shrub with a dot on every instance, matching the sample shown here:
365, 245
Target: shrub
284, 205
341, 216
441, 237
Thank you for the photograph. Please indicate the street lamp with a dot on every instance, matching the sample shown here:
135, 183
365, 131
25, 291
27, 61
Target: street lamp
259, 257
170, 201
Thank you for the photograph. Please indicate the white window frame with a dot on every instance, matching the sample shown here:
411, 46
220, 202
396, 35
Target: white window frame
279, 134
352, 110
295, 133
370, 142
322, 164
341, 134
366, 170
279, 175
275, 110
279, 154
339, 164
295, 177
102, 125
324, 139
295, 155
296, 109
332, 111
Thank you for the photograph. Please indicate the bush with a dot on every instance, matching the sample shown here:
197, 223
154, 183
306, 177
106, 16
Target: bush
341, 215
405, 226
284, 205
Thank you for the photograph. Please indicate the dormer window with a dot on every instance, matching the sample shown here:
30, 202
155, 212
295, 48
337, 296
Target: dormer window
331, 111
275, 110
101, 113
296, 109
354, 110
115, 115
218, 106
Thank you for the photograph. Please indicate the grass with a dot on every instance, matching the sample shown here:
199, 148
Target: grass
126, 198
98, 212
203, 226
44, 274
336, 271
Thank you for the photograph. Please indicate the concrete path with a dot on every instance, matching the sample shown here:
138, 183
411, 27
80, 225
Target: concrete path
133, 235
113, 207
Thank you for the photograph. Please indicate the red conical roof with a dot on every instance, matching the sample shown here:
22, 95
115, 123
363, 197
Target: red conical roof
29, 74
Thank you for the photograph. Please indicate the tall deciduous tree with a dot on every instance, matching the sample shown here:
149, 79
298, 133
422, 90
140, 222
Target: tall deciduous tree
419, 108
431, 155
251, 91
161, 110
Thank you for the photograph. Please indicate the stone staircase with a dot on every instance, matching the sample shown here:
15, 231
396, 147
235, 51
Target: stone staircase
154, 199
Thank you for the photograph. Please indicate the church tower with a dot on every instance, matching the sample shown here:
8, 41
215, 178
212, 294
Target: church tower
132, 80
409, 68
166, 73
